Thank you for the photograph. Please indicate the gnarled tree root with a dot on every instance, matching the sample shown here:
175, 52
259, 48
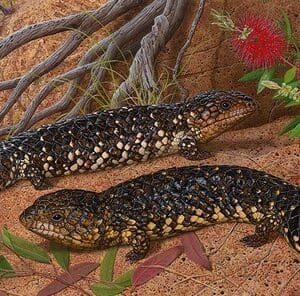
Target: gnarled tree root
143, 37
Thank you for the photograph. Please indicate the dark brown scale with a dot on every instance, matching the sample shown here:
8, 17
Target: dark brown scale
121, 136
170, 202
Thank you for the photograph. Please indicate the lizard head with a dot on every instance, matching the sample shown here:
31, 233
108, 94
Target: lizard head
68, 217
211, 113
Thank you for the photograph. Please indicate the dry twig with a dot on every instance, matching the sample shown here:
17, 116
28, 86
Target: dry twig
143, 36
186, 45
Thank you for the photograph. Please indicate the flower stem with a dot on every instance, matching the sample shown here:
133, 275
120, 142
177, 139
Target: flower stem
287, 61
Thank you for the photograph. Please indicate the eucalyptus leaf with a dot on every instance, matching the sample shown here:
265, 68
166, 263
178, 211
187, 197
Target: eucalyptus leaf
296, 55
107, 265
6, 269
291, 125
61, 254
294, 83
287, 27
290, 75
154, 265
292, 104
68, 278
114, 288
125, 278
253, 75
267, 75
278, 80
295, 132
195, 251
24, 248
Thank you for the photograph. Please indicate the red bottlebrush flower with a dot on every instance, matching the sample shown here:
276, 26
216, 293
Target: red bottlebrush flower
258, 42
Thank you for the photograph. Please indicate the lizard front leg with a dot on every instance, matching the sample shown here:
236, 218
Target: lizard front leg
36, 177
262, 233
189, 149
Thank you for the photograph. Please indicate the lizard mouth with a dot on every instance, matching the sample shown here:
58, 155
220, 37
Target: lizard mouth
46, 230
223, 123
52, 232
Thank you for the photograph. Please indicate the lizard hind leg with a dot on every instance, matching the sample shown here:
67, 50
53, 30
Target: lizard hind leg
140, 243
263, 232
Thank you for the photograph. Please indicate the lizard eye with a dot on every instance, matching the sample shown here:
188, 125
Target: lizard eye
225, 105
57, 217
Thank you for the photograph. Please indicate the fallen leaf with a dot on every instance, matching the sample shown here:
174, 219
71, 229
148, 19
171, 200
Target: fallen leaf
68, 278
6, 269
113, 288
195, 250
61, 254
107, 265
24, 248
147, 270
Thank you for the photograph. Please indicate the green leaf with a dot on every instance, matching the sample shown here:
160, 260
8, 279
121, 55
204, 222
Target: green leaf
292, 104
24, 248
267, 75
61, 254
125, 278
291, 125
287, 27
296, 55
253, 75
6, 269
290, 75
278, 80
116, 287
294, 83
295, 132
107, 265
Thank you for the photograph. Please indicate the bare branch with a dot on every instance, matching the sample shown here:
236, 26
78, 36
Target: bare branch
142, 68
112, 44
9, 84
143, 37
35, 31
29, 118
187, 44
89, 25
137, 25
59, 80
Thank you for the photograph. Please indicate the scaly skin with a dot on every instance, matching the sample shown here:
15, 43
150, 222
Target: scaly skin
121, 136
168, 203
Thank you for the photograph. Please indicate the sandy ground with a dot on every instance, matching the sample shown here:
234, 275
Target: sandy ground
273, 269
270, 270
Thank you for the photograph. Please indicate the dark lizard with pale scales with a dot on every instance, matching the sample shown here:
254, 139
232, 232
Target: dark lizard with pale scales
167, 203
122, 136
